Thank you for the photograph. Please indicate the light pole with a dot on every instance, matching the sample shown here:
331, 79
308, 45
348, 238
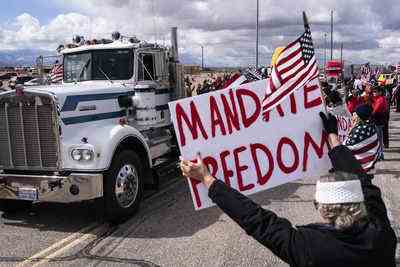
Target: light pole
325, 46
331, 34
202, 57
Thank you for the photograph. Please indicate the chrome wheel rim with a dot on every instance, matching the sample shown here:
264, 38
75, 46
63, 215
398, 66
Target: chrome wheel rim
126, 185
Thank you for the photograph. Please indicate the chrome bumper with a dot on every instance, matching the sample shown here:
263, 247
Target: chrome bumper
62, 189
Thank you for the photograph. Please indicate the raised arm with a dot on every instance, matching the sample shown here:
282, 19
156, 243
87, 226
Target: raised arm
265, 226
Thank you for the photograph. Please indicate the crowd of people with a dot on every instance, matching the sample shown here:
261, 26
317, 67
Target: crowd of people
197, 85
201, 85
379, 97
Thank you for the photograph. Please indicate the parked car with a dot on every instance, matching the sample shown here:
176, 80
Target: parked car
36, 81
23, 79
7, 76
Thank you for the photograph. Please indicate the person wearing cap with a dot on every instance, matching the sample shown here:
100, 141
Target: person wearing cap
355, 229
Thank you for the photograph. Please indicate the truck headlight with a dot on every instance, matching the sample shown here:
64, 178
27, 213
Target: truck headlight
87, 154
82, 154
76, 154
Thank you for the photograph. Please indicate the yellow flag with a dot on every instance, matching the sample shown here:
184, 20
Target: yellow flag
277, 52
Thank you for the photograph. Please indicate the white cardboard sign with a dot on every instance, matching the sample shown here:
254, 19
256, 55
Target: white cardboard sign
344, 121
243, 150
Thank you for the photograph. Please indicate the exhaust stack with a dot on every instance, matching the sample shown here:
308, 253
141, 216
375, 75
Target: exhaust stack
174, 44
176, 69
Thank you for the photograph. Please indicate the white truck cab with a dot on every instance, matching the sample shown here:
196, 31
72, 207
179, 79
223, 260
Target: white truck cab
98, 134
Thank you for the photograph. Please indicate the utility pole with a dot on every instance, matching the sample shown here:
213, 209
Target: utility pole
341, 58
325, 46
258, 13
331, 34
202, 57
341, 53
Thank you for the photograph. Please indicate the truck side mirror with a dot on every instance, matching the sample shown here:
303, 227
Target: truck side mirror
125, 101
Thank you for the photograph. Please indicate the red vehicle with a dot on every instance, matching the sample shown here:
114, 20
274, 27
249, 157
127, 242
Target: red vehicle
333, 72
333, 68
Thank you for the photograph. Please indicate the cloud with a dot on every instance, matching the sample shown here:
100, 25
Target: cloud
226, 29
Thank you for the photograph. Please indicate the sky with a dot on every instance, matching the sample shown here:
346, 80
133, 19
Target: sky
369, 31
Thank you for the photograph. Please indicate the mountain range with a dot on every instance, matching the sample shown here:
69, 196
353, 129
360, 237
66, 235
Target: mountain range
28, 57
23, 57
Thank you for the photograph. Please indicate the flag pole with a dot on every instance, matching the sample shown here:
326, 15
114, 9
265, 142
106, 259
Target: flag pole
258, 31
305, 21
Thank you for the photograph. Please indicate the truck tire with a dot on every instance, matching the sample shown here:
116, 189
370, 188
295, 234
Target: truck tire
123, 186
11, 206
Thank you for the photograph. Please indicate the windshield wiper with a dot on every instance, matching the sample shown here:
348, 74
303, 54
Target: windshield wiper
105, 75
83, 68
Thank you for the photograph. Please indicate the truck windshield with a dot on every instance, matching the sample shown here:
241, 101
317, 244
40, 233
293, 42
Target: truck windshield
116, 64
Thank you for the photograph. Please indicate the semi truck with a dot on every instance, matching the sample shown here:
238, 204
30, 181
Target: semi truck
99, 135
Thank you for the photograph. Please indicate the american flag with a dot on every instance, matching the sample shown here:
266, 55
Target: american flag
56, 74
363, 142
397, 68
366, 72
295, 67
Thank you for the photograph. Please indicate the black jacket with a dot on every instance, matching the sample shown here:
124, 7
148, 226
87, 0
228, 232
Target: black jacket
370, 243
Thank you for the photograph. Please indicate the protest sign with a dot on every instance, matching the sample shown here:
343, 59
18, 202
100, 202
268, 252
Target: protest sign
243, 150
344, 121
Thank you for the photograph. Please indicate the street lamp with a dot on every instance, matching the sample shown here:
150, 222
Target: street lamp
202, 57
325, 46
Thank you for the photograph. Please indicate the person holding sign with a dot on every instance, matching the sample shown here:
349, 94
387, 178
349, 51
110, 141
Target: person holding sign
355, 231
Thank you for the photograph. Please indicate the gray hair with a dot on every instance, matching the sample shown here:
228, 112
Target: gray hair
342, 216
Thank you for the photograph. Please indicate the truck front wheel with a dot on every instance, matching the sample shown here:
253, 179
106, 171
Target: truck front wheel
123, 186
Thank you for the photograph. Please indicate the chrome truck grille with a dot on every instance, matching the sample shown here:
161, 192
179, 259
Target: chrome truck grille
28, 133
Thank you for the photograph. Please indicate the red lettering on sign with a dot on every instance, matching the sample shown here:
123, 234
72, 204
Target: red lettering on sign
226, 172
281, 164
262, 178
212, 165
319, 149
194, 124
232, 116
293, 108
278, 108
216, 118
313, 103
248, 119
240, 169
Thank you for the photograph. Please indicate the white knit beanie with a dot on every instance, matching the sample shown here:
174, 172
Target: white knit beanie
339, 192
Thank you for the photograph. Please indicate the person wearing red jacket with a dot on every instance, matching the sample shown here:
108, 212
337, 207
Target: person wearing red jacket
380, 115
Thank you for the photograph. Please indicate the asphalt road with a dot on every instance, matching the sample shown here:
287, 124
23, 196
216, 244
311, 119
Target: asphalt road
167, 231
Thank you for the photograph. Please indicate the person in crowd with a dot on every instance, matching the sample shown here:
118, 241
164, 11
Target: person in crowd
352, 100
355, 229
363, 138
381, 117
358, 84
367, 93
396, 97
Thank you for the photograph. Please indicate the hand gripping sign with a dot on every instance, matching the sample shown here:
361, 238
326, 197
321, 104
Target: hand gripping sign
243, 150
